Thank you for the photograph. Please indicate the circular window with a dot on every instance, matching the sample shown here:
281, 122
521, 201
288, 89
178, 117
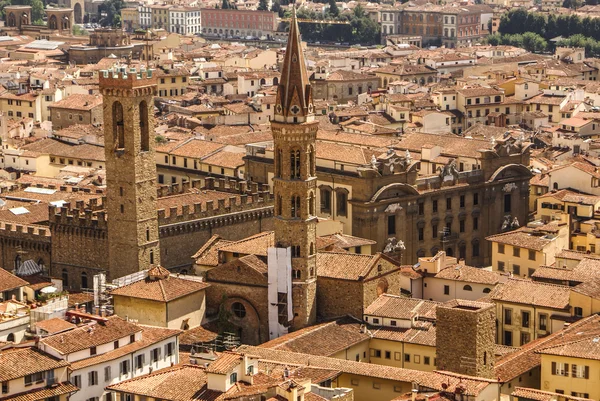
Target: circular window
238, 309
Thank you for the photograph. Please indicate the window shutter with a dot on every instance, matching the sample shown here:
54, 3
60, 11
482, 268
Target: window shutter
566, 369
586, 372
574, 370
90, 378
158, 351
554, 368
166, 350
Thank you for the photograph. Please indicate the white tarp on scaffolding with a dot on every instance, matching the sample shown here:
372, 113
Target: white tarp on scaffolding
279, 262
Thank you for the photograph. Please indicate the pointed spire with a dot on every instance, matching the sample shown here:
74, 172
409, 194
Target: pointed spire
294, 93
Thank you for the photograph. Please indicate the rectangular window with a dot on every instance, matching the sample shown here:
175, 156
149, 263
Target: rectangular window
543, 322
421, 208
388, 355
421, 234
578, 311
501, 248
507, 203
406, 357
5, 387
435, 206
434, 230
462, 226
500, 266
169, 349
76, 380
448, 203
580, 371
325, 200
124, 367
508, 316
462, 201
446, 290
92, 378
524, 319
155, 354
391, 223
116, 344
475, 198
560, 369
525, 338
107, 374
426, 360
531, 254
516, 252
139, 361
475, 223
516, 270
508, 337
92, 350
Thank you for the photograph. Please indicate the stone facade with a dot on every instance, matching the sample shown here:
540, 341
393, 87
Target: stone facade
130, 170
465, 338
294, 186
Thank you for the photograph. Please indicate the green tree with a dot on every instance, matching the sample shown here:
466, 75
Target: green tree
334, 11
276, 8
111, 9
79, 31
262, 5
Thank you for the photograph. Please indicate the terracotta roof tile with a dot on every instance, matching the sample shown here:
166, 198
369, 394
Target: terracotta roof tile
91, 335
161, 290
224, 363
469, 274
539, 395
56, 325
9, 281
19, 362
44, 393
399, 307
532, 293
325, 339
345, 266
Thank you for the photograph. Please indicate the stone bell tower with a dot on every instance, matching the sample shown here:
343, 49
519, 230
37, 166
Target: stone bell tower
130, 170
295, 182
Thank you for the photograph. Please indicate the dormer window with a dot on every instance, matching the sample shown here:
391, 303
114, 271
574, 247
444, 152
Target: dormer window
250, 370
233, 377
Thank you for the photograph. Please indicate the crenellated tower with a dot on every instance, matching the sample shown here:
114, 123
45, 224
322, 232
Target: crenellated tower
130, 169
295, 182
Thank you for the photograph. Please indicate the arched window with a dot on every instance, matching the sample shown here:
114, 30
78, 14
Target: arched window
118, 125
279, 205
144, 125
295, 164
10, 337
84, 280
295, 203
341, 200
151, 256
17, 261
65, 277
263, 81
555, 185
311, 161
467, 288
449, 252
312, 248
421, 253
311, 204
233, 377
296, 274
278, 165
487, 290
275, 81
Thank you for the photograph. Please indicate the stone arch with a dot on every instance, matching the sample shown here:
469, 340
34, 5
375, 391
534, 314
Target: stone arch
511, 170
84, 280
25, 19
78, 13
10, 337
52, 22
118, 125
65, 23
382, 286
248, 326
144, 127
11, 20
394, 191
275, 81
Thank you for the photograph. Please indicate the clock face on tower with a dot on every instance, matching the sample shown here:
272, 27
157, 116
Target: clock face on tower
278, 109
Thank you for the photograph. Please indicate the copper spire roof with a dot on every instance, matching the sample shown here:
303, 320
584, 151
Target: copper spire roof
294, 93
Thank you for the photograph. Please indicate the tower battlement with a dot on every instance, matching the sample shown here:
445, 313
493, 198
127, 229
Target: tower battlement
83, 215
210, 208
126, 78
